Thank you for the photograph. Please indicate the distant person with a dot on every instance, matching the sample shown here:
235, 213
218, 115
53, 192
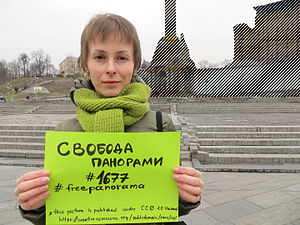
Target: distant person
110, 57
2, 99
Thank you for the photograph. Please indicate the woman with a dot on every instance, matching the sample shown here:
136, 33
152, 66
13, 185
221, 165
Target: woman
111, 100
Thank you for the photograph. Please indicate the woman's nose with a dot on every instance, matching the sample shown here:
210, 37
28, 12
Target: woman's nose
110, 67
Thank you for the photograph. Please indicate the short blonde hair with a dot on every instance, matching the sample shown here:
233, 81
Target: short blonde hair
103, 26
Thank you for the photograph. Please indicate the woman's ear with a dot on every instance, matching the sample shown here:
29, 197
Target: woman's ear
86, 69
132, 78
86, 73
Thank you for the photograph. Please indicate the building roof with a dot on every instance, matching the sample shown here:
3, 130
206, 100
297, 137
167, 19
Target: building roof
277, 5
69, 57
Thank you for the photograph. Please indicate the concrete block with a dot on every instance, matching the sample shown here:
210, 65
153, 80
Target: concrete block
269, 199
252, 159
236, 159
232, 210
276, 160
264, 160
194, 149
198, 217
227, 160
38, 155
185, 142
221, 160
213, 160
203, 156
282, 160
297, 159
11, 217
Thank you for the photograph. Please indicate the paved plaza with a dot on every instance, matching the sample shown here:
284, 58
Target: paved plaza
228, 198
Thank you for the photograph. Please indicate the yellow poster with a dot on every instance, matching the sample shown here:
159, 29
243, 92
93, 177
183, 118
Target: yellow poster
111, 178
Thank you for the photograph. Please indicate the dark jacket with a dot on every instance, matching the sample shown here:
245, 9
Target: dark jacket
146, 124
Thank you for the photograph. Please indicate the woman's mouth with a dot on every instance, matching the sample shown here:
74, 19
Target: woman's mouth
111, 82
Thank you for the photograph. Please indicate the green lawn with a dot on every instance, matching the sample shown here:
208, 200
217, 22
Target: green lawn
59, 86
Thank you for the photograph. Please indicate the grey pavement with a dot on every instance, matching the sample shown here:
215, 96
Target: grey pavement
228, 198
34, 119
245, 119
239, 119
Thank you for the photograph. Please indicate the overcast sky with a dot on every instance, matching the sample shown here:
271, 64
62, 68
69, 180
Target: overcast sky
56, 25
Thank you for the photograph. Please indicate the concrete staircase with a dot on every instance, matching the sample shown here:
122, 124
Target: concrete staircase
252, 148
67, 107
227, 108
56, 108
25, 145
212, 148
22, 145
10, 108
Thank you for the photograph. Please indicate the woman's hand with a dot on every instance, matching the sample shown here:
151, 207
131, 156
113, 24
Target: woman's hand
189, 183
32, 189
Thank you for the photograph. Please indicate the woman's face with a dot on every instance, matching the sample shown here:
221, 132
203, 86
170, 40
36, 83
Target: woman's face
110, 64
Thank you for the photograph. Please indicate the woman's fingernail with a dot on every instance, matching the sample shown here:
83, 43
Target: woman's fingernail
46, 173
175, 177
45, 179
44, 188
176, 169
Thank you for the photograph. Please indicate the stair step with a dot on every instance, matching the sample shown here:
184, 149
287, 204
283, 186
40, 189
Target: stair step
24, 139
54, 112
22, 133
25, 146
247, 110
253, 158
286, 168
248, 128
24, 127
252, 149
185, 155
262, 135
19, 153
249, 142
21, 162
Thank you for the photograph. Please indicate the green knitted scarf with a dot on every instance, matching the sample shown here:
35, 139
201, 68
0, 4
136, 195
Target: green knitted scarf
97, 113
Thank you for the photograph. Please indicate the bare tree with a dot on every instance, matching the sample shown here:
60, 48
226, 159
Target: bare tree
203, 63
18, 63
47, 64
14, 69
225, 62
52, 70
11, 68
25, 62
206, 64
21, 67
38, 63
34, 69
3, 71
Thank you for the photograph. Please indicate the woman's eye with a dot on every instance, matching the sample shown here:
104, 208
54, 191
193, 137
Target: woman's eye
122, 58
100, 57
